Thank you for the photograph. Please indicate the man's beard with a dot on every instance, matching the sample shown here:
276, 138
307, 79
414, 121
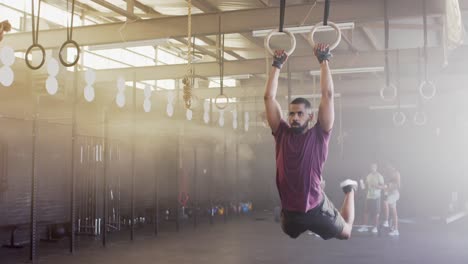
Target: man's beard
296, 128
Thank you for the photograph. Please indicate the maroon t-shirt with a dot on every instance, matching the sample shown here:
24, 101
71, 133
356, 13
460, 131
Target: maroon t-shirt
299, 164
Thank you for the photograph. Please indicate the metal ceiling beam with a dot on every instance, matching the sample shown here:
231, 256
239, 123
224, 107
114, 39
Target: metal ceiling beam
299, 63
257, 41
199, 48
349, 42
144, 8
370, 37
116, 9
359, 11
204, 6
207, 8
213, 43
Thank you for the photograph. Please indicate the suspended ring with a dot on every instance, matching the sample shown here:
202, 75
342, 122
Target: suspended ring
28, 63
291, 37
420, 118
399, 118
217, 102
430, 86
331, 24
393, 95
63, 61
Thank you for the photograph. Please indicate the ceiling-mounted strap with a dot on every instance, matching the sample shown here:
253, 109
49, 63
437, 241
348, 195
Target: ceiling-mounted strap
425, 38
70, 40
282, 11
427, 89
220, 44
398, 77
387, 36
35, 38
221, 56
399, 117
326, 12
289, 81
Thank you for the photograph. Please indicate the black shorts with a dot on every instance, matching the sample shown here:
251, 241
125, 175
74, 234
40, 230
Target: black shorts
324, 220
373, 206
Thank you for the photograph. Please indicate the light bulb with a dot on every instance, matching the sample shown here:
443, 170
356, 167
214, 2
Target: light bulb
52, 67
120, 99
206, 117
221, 121
90, 76
89, 93
7, 56
6, 76
169, 109
170, 97
147, 105
189, 114
51, 85
120, 84
221, 118
147, 91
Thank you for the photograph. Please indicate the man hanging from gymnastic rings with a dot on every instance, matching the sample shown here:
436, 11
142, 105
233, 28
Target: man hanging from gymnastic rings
301, 152
300, 156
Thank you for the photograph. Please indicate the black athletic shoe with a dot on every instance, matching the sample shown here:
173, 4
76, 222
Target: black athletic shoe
349, 185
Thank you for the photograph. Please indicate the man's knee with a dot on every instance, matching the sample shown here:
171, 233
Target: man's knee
290, 230
291, 233
346, 233
344, 236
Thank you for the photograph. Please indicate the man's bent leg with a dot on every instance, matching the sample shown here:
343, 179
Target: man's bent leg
347, 209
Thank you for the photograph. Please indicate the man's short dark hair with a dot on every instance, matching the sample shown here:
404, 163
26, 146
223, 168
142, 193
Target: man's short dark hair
301, 100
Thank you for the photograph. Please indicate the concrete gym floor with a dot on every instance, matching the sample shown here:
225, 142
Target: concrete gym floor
247, 240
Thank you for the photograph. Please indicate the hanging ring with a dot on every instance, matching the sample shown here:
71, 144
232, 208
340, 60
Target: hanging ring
77, 57
399, 118
420, 118
331, 24
221, 107
276, 32
428, 86
28, 63
393, 95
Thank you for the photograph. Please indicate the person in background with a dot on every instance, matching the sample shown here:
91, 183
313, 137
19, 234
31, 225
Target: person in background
374, 183
390, 202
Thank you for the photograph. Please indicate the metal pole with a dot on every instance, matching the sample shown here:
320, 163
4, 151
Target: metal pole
95, 186
33, 224
236, 203
156, 198
225, 179
195, 198
177, 216
73, 172
177, 182
132, 225
210, 184
105, 184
